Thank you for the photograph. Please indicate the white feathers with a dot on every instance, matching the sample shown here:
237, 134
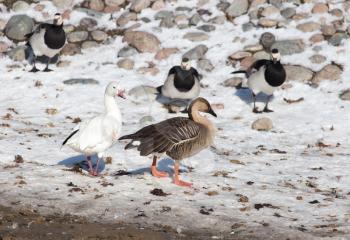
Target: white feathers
136, 143
257, 82
99, 133
276, 56
186, 65
39, 47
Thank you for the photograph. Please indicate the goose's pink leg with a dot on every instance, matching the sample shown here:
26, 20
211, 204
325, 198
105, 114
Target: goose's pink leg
154, 170
177, 181
95, 172
88, 159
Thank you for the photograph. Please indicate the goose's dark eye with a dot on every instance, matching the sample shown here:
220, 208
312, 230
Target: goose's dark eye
114, 87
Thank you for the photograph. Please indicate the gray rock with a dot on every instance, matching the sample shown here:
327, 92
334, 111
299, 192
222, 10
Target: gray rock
247, 26
139, 5
317, 58
196, 53
89, 44
309, 26
237, 8
207, 28
206, 65
288, 47
68, 28
80, 81
144, 93
276, 3
88, 23
18, 26
222, 6
77, 36
218, 20
267, 39
142, 41
63, 4
71, 49
127, 52
288, 12
328, 30
262, 124
261, 55
163, 14
196, 36
330, 72
126, 63
125, 18
183, 9
233, 82
99, 36
18, 53
167, 22
3, 46
89, 12
345, 95
298, 73
337, 39
145, 19
195, 19
114, 3
19, 6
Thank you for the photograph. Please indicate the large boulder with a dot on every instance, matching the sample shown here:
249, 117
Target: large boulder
18, 26
142, 41
196, 53
237, 8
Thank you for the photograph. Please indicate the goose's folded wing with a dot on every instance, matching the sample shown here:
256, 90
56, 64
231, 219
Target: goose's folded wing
162, 137
91, 133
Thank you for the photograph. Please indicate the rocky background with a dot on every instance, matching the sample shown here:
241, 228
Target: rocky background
125, 19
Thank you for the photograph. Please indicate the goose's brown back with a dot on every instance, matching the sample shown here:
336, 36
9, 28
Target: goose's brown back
178, 137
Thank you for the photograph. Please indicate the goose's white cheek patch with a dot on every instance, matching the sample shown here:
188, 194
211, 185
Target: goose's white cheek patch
136, 143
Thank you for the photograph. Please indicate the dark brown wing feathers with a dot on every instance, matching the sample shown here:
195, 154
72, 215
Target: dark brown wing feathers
163, 136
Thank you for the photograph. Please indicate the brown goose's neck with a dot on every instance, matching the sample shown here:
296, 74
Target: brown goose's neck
197, 117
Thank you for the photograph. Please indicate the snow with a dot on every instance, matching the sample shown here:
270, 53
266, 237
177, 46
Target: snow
298, 168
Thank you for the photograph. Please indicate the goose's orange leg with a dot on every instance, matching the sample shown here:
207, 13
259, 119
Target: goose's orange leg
154, 170
177, 181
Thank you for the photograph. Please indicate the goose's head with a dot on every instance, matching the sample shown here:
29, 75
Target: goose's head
275, 55
202, 105
58, 20
113, 90
186, 64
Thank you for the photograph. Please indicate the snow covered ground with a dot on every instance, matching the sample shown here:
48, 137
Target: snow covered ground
292, 181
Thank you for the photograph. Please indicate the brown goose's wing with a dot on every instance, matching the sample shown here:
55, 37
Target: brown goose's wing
163, 136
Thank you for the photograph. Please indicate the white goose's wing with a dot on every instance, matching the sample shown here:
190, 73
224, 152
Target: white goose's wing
99, 133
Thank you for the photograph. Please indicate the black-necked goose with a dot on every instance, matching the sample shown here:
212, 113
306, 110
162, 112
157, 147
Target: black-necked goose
182, 82
47, 40
265, 76
177, 137
96, 135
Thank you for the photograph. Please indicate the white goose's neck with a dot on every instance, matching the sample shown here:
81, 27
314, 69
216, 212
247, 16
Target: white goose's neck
112, 107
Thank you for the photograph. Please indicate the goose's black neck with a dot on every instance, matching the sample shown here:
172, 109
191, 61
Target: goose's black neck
184, 79
55, 36
275, 74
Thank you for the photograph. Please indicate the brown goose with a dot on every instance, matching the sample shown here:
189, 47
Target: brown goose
177, 137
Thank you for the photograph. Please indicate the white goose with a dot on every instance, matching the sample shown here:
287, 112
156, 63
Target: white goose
96, 135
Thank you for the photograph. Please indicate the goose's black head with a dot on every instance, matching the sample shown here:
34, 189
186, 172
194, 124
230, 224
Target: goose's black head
275, 56
58, 20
